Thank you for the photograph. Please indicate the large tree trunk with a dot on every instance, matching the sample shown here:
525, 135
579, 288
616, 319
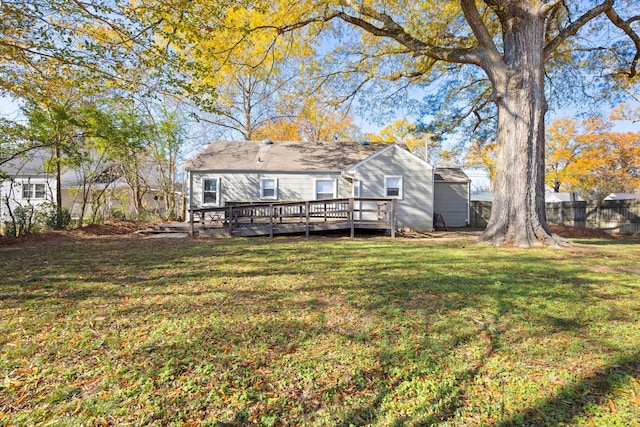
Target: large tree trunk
518, 212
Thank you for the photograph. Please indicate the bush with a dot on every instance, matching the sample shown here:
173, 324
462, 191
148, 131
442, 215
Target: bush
48, 215
32, 219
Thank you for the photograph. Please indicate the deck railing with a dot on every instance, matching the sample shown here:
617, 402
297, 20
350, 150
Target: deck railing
288, 217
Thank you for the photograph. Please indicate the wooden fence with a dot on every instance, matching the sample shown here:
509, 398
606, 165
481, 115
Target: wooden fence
615, 216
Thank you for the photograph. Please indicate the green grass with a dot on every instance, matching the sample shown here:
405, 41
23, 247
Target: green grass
124, 331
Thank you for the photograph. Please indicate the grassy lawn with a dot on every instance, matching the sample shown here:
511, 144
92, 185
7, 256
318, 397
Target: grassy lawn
319, 332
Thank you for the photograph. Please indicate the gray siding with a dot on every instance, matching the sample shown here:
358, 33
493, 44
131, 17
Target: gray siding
415, 208
245, 187
450, 201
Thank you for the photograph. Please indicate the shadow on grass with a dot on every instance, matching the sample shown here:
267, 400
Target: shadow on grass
571, 400
388, 283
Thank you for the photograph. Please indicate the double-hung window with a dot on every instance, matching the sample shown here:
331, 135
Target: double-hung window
210, 191
393, 186
269, 188
33, 191
325, 189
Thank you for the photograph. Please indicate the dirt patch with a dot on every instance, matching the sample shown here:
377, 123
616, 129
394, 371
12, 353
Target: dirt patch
582, 233
109, 228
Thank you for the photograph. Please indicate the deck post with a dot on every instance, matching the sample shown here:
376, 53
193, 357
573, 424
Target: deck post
229, 215
271, 214
192, 229
392, 217
351, 221
306, 209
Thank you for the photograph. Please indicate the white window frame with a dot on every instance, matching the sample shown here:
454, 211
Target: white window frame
334, 184
217, 180
275, 189
30, 187
400, 189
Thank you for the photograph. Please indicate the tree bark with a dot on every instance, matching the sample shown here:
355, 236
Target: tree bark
518, 212
58, 155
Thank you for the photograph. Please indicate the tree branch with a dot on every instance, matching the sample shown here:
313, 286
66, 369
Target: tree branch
391, 29
626, 27
574, 27
480, 31
547, 7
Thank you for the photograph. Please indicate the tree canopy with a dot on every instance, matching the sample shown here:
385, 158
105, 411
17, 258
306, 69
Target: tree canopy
489, 70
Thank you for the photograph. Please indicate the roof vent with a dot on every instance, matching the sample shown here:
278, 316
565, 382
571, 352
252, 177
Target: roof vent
362, 142
267, 141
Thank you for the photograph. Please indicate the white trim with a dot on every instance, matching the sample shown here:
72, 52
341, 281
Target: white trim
202, 182
356, 188
400, 188
275, 189
31, 188
335, 187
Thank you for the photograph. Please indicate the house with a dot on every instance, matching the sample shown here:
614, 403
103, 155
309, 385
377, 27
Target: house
230, 172
24, 182
549, 197
622, 196
95, 187
553, 197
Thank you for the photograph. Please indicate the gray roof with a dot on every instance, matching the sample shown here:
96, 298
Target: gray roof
450, 175
622, 196
551, 196
481, 196
282, 156
31, 163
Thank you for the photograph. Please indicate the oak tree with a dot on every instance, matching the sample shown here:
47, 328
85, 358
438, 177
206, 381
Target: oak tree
507, 51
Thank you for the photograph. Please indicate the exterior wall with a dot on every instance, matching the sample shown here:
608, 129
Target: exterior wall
451, 201
11, 194
245, 186
415, 207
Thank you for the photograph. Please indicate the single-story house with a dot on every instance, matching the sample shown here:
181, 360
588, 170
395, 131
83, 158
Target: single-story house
553, 197
227, 172
622, 196
549, 197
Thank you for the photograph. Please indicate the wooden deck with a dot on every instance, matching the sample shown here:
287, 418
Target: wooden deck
270, 219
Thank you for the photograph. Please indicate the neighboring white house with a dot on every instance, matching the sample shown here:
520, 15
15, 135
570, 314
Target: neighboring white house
248, 171
549, 197
622, 196
24, 182
553, 197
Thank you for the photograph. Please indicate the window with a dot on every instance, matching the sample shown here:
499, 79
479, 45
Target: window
33, 191
325, 189
269, 188
393, 186
211, 191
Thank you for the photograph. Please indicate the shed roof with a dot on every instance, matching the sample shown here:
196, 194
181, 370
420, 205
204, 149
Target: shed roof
450, 175
282, 156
